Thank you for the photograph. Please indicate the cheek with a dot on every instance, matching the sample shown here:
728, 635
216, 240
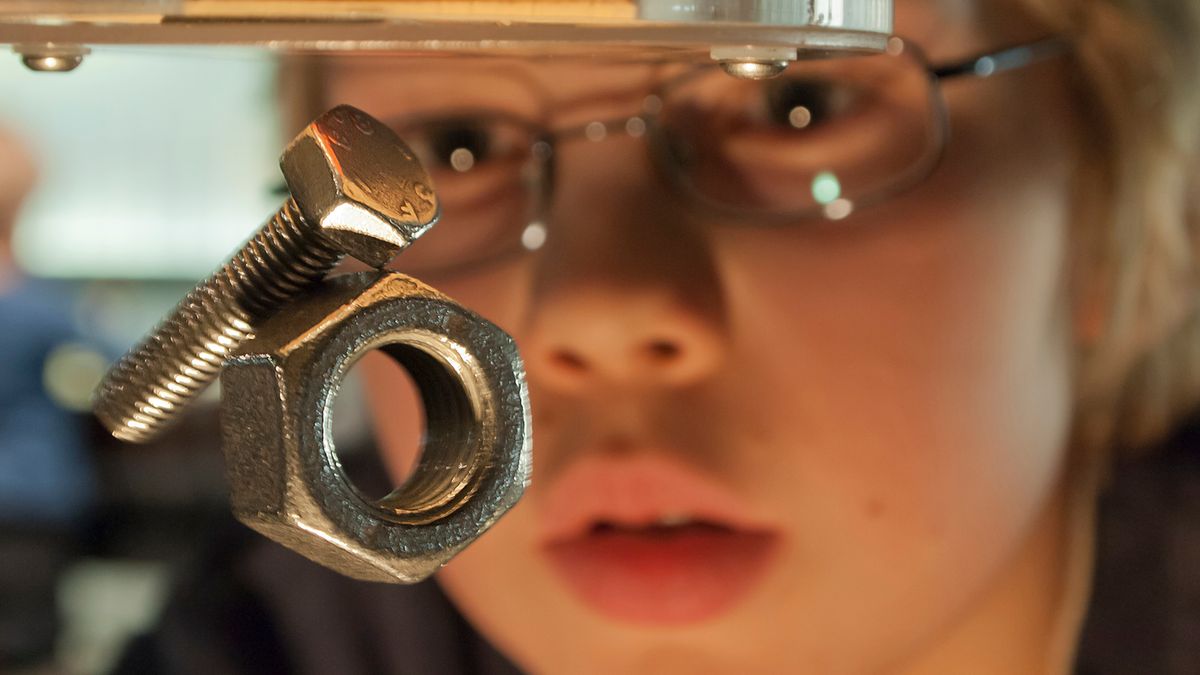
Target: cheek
923, 365
936, 333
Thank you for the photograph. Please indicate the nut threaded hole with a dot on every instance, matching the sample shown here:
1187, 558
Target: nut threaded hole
378, 400
430, 431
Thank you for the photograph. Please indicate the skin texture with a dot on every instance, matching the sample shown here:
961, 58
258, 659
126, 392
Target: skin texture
894, 394
17, 175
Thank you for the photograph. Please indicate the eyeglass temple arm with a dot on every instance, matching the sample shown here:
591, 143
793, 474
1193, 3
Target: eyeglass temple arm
1009, 58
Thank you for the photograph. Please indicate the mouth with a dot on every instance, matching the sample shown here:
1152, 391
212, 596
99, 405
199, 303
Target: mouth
646, 540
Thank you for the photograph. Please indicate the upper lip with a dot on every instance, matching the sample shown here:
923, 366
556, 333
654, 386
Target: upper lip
634, 491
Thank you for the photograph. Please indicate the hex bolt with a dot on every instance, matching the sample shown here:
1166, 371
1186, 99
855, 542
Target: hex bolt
356, 189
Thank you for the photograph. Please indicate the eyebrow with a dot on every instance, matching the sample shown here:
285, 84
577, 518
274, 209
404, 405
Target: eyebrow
614, 94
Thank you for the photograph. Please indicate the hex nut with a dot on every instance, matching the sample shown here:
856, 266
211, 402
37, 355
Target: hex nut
277, 397
369, 197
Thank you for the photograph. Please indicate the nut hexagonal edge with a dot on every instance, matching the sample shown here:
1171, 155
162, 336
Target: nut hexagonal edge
286, 482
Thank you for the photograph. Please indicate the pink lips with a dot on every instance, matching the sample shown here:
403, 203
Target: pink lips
646, 539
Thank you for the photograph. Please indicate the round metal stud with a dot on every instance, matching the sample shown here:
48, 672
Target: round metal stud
51, 58
754, 70
752, 62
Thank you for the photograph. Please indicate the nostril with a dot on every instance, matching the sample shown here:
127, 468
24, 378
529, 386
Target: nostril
568, 362
662, 351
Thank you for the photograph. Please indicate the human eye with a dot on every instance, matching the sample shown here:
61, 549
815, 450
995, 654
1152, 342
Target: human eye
842, 130
474, 157
808, 102
465, 143
480, 164
459, 144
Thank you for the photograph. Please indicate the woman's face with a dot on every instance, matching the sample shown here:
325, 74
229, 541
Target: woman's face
765, 449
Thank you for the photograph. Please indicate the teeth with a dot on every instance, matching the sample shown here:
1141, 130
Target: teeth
673, 520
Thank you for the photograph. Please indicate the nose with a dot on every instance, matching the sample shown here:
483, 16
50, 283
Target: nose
626, 293
597, 336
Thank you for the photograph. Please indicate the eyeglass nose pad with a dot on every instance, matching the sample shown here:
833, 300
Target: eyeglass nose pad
673, 148
537, 178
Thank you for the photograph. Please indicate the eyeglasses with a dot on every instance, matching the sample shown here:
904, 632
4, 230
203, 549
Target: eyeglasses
825, 138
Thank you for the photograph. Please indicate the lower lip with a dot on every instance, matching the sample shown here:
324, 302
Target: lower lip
685, 575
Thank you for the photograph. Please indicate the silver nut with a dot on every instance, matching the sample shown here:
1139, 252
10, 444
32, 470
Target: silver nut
370, 198
277, 394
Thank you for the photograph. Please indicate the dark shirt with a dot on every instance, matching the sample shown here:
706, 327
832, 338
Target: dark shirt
46, 480
257, 608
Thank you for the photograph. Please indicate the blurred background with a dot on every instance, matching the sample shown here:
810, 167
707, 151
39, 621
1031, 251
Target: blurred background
151, 166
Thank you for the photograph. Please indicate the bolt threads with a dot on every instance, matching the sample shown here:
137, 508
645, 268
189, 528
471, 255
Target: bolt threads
147, 388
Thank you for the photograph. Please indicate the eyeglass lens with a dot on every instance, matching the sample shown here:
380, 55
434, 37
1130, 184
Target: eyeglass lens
819, 141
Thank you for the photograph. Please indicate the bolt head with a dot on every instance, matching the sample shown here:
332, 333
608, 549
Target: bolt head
51, 57
360, 185
52, 63
747, 69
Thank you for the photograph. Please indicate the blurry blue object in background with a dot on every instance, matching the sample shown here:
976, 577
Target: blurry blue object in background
46, 476
45, 468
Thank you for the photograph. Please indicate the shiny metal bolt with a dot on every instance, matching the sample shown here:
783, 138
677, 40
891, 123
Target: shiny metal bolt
51, 58
754, 70
752, 62
356, 189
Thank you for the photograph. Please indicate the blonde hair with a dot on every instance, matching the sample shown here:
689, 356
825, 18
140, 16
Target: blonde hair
1138, 211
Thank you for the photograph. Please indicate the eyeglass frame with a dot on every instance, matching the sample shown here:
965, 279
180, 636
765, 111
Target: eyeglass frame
982, 66
546, 141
